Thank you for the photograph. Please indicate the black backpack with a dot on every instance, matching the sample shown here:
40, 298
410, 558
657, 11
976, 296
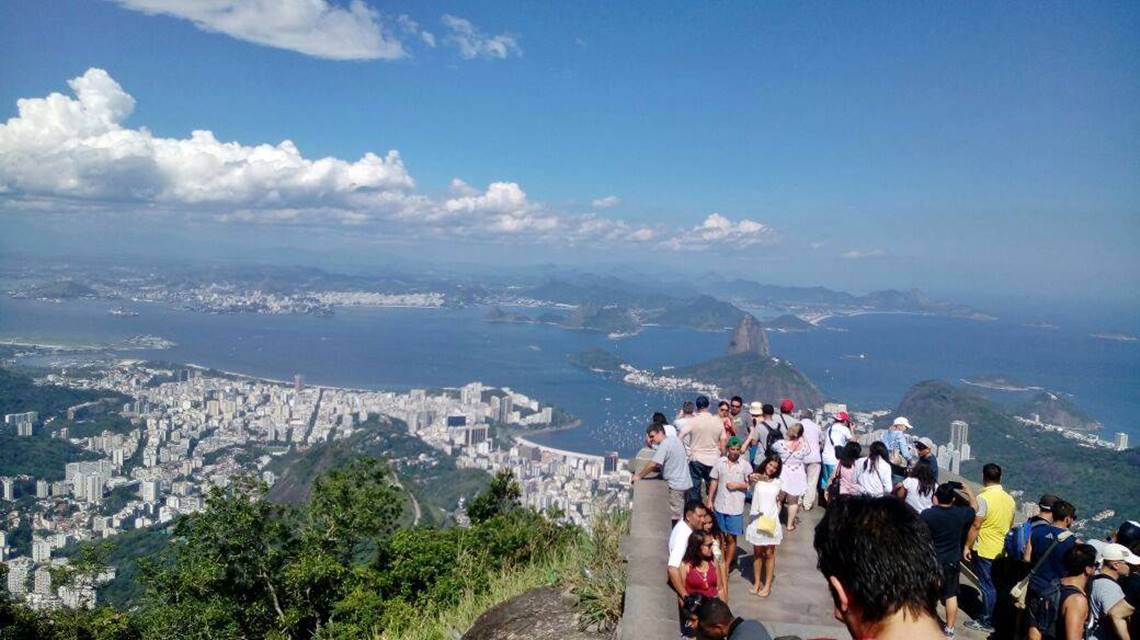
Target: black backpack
774, 435
1046, 609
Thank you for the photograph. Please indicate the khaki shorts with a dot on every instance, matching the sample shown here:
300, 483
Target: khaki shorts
677, 502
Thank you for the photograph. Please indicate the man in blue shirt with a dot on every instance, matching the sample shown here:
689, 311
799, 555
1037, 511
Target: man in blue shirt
1041, 539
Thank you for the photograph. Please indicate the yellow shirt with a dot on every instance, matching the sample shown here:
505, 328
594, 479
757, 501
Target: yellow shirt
995, 523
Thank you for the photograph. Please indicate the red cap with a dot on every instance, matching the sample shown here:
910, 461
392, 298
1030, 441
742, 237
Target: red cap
842, 417
786, 406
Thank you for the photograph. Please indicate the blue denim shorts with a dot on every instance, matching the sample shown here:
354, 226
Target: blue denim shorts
733, 525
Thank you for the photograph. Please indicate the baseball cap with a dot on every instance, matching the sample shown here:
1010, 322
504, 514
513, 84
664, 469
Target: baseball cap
924, 443
787, 406
842, 417
902, 422
1119, 553
1047, 501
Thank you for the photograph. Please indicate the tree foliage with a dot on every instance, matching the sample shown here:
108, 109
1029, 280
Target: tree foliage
499, 498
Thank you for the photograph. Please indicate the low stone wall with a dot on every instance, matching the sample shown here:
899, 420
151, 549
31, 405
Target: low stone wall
650, 604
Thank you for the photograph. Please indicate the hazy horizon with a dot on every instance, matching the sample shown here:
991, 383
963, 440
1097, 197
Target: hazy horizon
965, 150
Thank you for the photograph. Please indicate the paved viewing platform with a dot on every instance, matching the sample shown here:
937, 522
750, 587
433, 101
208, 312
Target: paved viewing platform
800, 603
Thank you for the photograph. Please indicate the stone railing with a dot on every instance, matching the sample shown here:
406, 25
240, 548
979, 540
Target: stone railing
650, 604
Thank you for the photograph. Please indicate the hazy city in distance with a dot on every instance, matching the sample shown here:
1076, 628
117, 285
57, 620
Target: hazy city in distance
245, 241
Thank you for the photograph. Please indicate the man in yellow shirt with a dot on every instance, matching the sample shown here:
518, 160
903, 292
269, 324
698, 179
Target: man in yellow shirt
994, 517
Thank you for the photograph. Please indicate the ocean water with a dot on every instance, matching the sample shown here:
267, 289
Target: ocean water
868, 361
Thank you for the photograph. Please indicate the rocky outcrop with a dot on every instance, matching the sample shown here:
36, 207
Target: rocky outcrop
748, 337
539, 614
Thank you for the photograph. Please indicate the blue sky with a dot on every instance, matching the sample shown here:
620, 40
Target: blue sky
950, 146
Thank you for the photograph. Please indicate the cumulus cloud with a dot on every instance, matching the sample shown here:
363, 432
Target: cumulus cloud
78, 147
856, 254
75, 154
716, 229
312, 27
607, 202
473, 43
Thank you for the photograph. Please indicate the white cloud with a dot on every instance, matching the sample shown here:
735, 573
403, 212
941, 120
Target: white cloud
412, 28
77, 147
717, 229
75, 155
313, 27
607, 202
472, 43
855, 254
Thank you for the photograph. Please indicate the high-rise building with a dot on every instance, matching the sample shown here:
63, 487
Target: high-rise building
298, 383
41, 550
471, 394
1121, 441
959, 434
611, 463
42, 489
42, 581
18, 571
149, 491
8, 489
506, 406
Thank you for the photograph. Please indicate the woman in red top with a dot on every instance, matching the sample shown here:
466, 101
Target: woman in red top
726, 417
698, 568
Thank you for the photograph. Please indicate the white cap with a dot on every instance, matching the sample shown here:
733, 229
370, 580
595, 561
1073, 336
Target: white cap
1119, 553
902, 422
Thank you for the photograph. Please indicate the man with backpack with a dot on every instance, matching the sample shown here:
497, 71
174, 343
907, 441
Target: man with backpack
1110, 610
1045, 553
1063, 608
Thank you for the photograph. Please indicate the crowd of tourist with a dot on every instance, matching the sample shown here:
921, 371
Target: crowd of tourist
893, 542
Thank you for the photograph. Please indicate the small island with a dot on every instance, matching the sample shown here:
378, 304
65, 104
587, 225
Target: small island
999, 382
597, 360
1117, 336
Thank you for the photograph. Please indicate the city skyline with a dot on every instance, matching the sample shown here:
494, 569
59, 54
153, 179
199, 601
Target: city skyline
949, 148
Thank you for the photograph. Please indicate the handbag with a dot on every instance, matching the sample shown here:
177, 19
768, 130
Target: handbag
766, 524
1020, 591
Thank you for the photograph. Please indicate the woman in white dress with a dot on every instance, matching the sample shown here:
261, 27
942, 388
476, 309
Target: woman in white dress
918, 488
873, 473
764, 530
793, 453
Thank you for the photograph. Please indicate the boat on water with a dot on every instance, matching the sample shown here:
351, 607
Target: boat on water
122, 312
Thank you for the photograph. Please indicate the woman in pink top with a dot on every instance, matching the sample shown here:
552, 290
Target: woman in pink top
845, 481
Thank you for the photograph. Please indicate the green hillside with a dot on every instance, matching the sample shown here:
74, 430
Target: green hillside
1035, 461
437, 484
756, 377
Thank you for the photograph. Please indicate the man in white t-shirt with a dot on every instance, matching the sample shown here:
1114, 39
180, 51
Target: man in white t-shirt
834, 436
813, 435
1108, 610
694, 517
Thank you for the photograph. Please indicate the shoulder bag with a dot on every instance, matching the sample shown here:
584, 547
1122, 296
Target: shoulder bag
1020, 591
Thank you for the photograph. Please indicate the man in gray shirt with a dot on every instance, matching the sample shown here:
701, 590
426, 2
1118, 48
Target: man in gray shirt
669, 456
1108, 610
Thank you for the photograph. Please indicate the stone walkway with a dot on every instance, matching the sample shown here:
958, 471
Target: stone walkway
800, 603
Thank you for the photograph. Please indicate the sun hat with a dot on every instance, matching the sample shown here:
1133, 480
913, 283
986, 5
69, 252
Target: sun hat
787, 406
1119, 553
756, 408
902, 422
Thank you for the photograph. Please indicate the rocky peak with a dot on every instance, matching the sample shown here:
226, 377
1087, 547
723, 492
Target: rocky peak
748, 337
